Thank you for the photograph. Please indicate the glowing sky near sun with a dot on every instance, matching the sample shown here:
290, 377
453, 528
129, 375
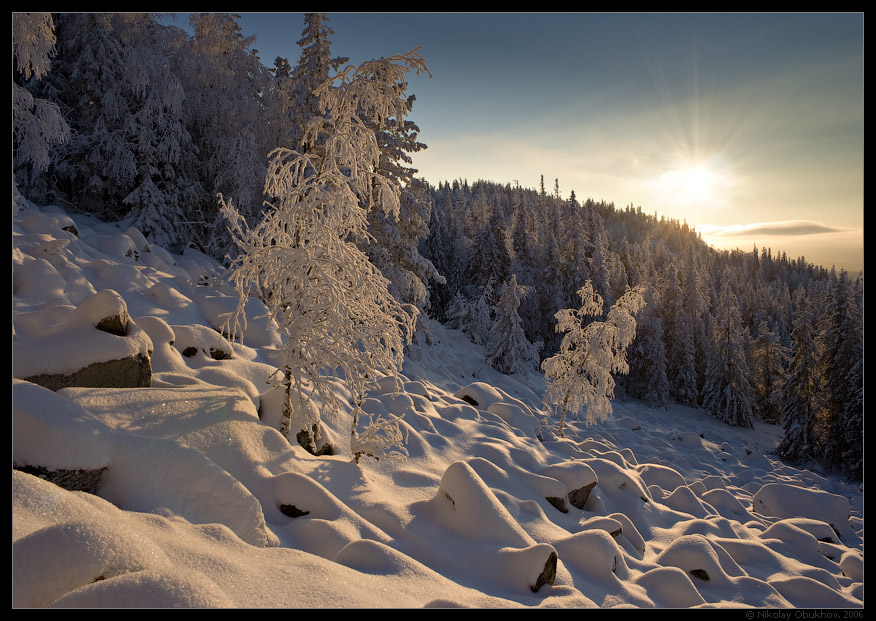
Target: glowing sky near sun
747, 126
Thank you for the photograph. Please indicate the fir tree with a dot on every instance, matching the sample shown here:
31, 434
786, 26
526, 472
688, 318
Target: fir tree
678, 337
130, 146
647, 379
727, 393
842, 351
770, 358
393, 246
37, 124
224, 80
803, 404
314, 67
508, 350
473, 317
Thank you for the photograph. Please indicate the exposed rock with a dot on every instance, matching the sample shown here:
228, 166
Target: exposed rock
71, 480
192, 339
548, 575
610, 525
132, 372
105, 310
699, 573
292, 511
116, 324
579, 478
219, 354
308, 440
578, 497
470, 400
557, 502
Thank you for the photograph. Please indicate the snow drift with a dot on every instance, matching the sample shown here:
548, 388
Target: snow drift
196, 500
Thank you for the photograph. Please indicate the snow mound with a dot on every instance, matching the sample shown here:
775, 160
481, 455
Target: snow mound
198, 501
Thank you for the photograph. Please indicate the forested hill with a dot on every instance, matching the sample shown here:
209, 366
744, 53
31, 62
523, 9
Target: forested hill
745, 334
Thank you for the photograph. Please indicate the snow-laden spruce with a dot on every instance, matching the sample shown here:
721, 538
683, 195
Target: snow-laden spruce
38, 125
508, 350
303, 258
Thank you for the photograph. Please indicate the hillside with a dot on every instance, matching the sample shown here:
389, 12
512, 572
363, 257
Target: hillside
198, 501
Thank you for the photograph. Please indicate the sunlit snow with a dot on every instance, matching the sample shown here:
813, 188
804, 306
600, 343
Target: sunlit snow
202, 503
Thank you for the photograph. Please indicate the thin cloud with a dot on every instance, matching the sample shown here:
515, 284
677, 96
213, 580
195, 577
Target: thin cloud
781, 228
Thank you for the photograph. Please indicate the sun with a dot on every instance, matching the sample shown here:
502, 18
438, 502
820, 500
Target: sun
695, 186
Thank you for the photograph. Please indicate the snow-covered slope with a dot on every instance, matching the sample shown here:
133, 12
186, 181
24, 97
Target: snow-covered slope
201, 502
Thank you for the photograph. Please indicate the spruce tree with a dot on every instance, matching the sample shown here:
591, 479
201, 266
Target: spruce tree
508, 350
727, 393
37, 123
678, 337
842, 351
769, 358
224, 81
803, 403
647, 379
314, 67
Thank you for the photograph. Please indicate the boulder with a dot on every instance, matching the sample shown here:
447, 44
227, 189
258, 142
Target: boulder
96, 345
71, 480
130, 372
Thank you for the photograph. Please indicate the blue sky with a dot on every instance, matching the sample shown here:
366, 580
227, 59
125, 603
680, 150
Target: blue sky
747, 126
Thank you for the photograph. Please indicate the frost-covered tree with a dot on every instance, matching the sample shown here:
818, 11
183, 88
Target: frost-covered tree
303, 259
167, 185
37, 124
393, 246
728, 394
679, 340
444, 248
769, 358
573, 243
473, 317
314, 67
647, 378
89, 83
694, 306
580, 374
130, 153
841, 337
490, 258
803, 403
224, 81
278, 105
508, 350
853, 420
599, 261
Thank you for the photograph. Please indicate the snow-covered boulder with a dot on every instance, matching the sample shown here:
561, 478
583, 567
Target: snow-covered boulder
780, 500
95, 345
195, 340
55, 439
579, 478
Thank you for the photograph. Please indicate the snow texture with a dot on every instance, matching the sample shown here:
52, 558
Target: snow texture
203, 503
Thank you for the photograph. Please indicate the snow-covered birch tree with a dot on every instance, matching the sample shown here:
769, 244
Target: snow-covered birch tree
302, 258
580, 373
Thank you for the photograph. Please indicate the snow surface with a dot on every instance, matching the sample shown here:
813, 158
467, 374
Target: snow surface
686, 511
